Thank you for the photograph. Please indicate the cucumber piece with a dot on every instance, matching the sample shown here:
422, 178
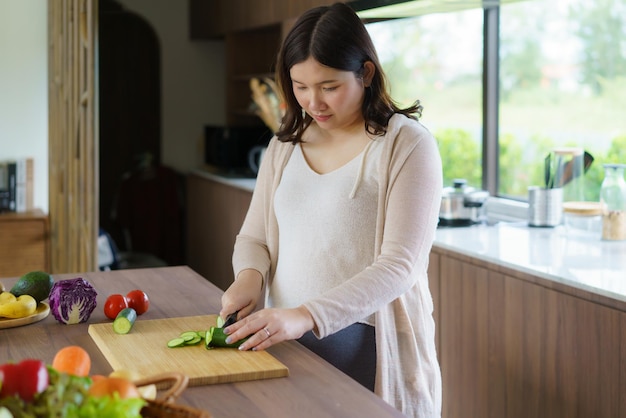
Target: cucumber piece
123, 323
208, 336
176, 342
218, 339
220, 322
194, 341
188, 335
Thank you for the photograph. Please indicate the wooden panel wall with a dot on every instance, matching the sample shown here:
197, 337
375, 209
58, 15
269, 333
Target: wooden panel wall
73, 162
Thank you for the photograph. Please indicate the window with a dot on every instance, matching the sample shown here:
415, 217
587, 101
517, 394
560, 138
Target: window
562, 82
437, 59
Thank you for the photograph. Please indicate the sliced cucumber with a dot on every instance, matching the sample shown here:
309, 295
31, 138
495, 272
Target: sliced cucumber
124, 321
195, 340
208, 336
189, 335
176, 342
213, 337
186, 338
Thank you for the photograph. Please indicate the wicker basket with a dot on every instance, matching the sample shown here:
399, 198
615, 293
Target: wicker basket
165, 403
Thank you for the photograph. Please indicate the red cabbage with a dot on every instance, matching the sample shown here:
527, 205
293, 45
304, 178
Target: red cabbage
72, 301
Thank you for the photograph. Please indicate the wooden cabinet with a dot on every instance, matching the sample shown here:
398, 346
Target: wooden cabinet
216, 18
23, 243
253, 31
215, 213
510, 347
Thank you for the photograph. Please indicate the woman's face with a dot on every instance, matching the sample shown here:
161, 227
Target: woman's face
331, 97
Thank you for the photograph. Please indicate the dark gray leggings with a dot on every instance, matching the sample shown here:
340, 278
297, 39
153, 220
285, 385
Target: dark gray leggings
352, 350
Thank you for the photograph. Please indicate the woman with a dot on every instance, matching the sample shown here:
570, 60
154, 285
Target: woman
342, 220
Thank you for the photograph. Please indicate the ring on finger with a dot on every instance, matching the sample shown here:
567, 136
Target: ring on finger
267, 331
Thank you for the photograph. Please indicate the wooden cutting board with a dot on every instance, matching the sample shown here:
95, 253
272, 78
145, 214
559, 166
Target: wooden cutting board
144, 350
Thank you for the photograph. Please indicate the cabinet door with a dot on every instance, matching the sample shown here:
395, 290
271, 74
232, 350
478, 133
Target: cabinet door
510, 348
23, 243
215, 213
464, 320
551, 354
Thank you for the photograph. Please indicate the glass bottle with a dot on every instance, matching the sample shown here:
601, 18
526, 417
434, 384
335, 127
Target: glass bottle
613, 200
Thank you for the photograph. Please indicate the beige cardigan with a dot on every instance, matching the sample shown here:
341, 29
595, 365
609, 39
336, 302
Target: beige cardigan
395, 286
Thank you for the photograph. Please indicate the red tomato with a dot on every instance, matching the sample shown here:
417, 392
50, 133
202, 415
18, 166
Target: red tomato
138, 300
114, 304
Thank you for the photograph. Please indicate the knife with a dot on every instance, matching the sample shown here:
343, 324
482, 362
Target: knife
230, 319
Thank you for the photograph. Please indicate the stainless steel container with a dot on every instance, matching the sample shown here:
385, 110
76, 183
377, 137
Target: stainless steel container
462, 205
545, 206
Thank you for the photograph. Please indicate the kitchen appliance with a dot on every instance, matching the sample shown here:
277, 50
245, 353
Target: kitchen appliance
462, 205
144, 350
226, 148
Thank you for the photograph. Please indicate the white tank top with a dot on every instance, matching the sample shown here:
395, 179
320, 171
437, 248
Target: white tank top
327, 225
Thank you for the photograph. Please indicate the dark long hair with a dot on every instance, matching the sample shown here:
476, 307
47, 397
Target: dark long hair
336, 37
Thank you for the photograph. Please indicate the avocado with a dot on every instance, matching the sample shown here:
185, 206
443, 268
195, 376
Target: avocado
35, 283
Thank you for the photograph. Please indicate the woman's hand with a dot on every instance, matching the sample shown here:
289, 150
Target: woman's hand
243, 294
270, 326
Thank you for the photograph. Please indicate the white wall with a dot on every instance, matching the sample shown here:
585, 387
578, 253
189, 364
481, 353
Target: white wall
193, 77
24, 88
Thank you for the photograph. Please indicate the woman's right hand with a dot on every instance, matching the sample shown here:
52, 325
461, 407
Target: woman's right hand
243, 294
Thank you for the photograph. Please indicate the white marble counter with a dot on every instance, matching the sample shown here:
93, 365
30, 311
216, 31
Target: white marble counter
580, 260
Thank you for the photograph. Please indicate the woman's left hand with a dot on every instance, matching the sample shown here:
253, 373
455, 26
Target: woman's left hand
270, 326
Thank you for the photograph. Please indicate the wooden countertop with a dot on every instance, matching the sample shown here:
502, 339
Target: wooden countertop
314, 388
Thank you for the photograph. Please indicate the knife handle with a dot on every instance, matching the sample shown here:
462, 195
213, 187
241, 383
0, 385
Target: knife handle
230, 319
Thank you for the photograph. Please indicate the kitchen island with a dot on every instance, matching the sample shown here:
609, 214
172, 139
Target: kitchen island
313, 388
